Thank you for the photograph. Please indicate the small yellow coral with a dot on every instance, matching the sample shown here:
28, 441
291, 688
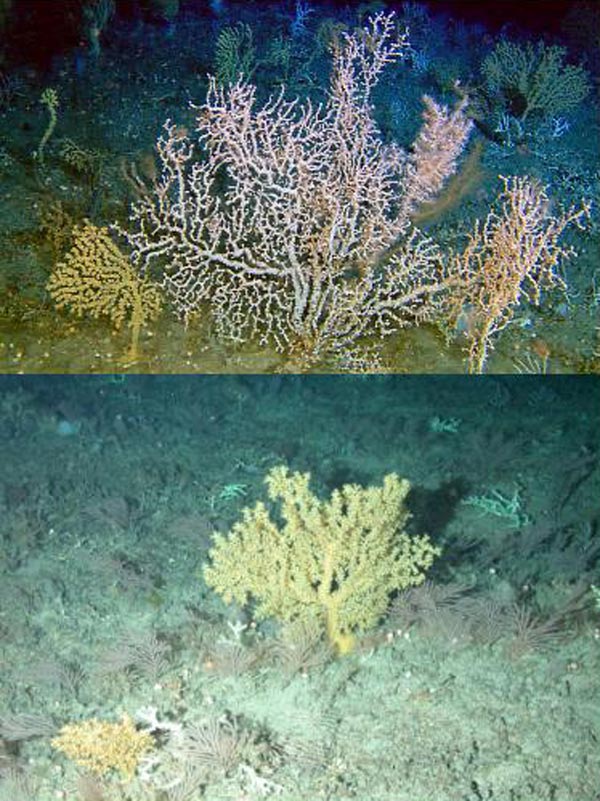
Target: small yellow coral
86, 162
101, 746
336, 561
49, 99
97, 278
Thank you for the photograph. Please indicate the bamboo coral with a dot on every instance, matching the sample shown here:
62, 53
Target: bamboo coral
283, 226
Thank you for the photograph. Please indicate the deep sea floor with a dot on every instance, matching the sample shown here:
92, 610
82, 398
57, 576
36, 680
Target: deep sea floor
480, 683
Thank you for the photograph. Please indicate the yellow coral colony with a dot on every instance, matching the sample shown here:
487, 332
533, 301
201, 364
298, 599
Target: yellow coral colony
102, 747
337, 560
95, 277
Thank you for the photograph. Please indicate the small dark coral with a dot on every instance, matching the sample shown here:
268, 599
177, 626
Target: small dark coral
420, 604
528, 633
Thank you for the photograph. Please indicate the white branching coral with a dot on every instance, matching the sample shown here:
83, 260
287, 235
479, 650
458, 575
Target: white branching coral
284, 224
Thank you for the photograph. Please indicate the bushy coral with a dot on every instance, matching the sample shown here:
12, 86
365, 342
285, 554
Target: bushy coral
96, 278
533, 80
101, 747
510, 258
334, 561
235, 54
